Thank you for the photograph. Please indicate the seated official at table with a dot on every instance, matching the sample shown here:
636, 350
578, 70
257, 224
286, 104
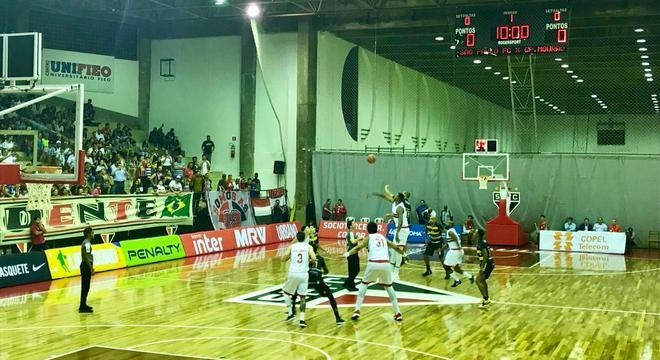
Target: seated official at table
615, 227
600, 225
569, 225
585, 226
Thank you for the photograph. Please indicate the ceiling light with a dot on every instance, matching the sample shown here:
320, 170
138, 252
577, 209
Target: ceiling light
220, 2
648, 75
574, 76
645, 63
639, 30
538, 97
654, 95
604, 106
563, 112
550, 105
542, 100
594, 96
579, 80
569, 71
647, 70
649, 79
557, 59
644, 56
554, 107
513, 82
642, 49
253, 11
505, 78
564, 66
476, 61
439, 38
453, 47
641, 41
497, 73
488, 67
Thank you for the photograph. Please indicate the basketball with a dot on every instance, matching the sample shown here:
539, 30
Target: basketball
371, 158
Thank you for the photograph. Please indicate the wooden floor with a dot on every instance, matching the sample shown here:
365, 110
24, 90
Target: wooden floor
547, 306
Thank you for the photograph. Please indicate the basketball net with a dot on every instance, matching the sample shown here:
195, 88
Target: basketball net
107, 238
39, 197
483, 182
171, 229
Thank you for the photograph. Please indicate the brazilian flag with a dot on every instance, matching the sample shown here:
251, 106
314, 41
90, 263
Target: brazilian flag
177, 206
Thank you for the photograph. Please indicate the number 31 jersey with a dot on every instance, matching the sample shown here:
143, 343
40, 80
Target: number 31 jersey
378, 248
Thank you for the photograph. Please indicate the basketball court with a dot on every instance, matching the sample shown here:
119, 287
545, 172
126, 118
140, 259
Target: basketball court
543, 308
537, 122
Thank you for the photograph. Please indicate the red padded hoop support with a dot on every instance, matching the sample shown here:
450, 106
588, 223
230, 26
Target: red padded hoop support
10, 174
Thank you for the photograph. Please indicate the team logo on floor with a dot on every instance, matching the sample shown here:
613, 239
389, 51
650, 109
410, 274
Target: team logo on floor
407, 294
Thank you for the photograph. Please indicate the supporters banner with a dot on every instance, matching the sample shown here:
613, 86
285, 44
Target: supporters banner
65, 262
151, 250
106, 214
208, 242
263, 207
18, 269
230, 209
330, 229
96, 72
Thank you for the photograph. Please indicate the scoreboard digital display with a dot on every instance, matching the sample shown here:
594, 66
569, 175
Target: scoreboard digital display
511, 30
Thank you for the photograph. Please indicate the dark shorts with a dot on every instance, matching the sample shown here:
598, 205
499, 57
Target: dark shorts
431, 248
488, 268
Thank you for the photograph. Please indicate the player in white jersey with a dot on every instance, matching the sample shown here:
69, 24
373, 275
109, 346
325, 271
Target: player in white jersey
401, 232
454, 256
300, 254
378, 268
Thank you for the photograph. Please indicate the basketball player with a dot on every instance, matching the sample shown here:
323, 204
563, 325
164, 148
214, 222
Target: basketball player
378, 269
486, 266
316, 282
400, 215
353, 260
300, 254
434, 243
86, 270
455, 255
313, 240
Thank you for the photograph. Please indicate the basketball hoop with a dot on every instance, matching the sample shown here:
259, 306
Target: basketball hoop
483, 182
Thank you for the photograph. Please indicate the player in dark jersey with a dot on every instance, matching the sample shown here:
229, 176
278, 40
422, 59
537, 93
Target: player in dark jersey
310, 232
316, 282
486, 266
435, 243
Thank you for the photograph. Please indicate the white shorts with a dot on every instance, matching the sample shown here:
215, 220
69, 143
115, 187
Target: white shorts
403, 236
454, 257
296, 283
380, 272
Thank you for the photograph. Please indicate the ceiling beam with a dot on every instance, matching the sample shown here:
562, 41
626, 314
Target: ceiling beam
176, 9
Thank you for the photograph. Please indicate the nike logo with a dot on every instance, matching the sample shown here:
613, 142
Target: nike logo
36, 268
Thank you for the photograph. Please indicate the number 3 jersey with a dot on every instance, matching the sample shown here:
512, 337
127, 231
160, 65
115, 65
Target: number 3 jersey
378, 248
299, 258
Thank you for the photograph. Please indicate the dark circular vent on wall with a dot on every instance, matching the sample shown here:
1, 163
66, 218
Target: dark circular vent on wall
349, 93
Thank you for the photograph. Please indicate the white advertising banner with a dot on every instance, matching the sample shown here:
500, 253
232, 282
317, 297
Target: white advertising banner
96, 72
583, 241
583, 261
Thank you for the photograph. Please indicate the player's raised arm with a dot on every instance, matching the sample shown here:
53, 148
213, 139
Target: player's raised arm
363, 244
287, 254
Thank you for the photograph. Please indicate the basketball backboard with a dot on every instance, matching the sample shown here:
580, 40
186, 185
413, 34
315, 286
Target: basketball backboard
42, 131
493, 165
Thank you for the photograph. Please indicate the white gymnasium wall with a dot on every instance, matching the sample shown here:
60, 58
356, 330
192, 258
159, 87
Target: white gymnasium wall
204, 98
564, 133
278, 57
396, 99
124, 98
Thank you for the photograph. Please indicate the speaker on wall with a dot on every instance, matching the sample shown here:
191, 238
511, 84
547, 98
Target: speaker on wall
278, 167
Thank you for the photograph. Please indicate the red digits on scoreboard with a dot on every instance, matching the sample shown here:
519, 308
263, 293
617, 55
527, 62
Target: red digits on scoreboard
561, 36
556, 16
469, 39
506, 32
467, 20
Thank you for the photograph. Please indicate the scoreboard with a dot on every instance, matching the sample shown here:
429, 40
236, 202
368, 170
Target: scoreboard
511, 30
